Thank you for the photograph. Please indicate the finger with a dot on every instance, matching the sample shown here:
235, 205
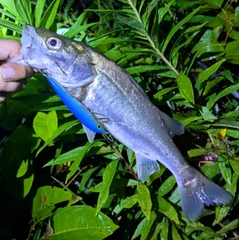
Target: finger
2, 99
9, 86
14, 72
9, 48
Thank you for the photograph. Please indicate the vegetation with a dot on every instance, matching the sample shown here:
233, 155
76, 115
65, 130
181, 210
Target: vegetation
56, 185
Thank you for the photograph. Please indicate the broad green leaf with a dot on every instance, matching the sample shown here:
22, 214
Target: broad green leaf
126, 203
144, 199
108, 177
168, 210
46, 198
40, 4
225, 169
81, 221
206, 74
166, 186
235, 166
45, 124
210, 169
22, 169
27, 181
207, 115
196, 152
144, 227
63, 128
185, 87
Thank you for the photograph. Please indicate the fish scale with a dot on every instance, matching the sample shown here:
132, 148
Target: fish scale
103, 90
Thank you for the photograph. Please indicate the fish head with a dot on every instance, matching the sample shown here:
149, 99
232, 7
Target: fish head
62, 59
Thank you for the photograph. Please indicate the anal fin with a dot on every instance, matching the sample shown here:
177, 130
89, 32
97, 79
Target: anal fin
145, 166
89, 133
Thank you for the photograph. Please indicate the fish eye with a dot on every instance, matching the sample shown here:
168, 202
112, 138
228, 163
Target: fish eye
54, 43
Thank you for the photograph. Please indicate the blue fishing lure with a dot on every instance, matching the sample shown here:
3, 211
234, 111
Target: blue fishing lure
78, 109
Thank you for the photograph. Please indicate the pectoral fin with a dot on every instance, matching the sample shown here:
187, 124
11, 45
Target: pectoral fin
173, 125
89, 133
145, 166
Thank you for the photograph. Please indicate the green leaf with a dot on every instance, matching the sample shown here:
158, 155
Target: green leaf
231, 54
166, 186
206, 74
225, 169
177, 27
214, 98
81, 221
126, 203
77, 160
78, 26
10, 6
40, 4
210, 169
64, 127
175, 233
86, 177
235, 166
229, 227
144, 199
45, 124
207, 115
165, 230
144, 227
108, 177
227, 123
144, 68
168, 210
46, 198
50, 14
196, 152
66, 157
23, 8
185, 87
11, 26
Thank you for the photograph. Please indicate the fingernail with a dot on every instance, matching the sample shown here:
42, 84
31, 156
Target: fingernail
7, 73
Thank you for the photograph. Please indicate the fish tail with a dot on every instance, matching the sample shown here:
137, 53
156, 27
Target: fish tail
198, 191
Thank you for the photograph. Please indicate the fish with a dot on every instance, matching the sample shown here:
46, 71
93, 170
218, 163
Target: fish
114, 102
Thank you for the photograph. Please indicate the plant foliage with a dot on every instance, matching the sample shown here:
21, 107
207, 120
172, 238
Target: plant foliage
57, 185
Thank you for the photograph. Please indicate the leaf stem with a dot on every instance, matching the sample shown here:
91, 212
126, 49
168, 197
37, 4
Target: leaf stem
150, 39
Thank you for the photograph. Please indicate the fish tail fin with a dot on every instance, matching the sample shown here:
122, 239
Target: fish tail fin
199, 191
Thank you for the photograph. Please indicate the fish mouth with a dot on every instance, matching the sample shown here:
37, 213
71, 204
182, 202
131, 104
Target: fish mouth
27, 40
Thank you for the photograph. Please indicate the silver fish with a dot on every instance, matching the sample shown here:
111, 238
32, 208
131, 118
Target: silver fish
121, 107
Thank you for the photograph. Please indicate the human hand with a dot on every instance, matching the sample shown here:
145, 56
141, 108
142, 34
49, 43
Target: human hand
11, 74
